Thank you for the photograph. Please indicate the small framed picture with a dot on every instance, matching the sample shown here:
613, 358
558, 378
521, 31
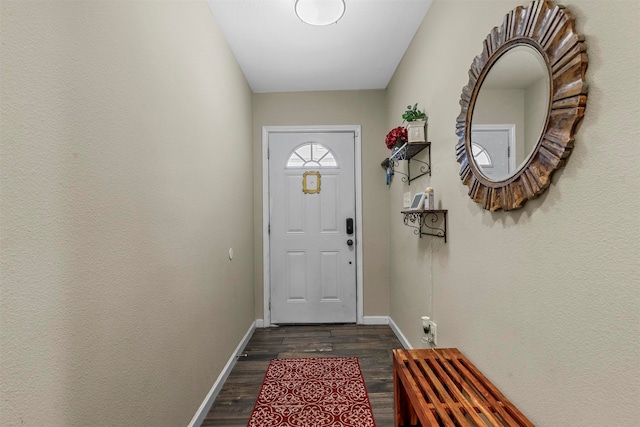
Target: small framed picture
417, 202
311, 182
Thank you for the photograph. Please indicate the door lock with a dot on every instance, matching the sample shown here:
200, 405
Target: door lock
350, 242
349, 225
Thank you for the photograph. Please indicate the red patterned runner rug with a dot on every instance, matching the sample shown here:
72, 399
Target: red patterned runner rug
313, 392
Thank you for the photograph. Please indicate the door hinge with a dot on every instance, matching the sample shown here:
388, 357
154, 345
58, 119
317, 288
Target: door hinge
269, 228
508, 151
268, 153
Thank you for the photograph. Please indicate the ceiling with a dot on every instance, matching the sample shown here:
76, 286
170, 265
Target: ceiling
279, 53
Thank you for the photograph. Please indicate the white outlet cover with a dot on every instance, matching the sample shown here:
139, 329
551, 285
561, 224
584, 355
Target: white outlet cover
434, 332
407, 199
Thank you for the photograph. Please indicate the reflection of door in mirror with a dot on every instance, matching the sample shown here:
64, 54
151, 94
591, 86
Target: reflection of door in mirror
493, 148
514, 92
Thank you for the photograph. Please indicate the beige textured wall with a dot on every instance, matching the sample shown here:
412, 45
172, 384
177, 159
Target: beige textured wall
366, 108
545, 299
123, 130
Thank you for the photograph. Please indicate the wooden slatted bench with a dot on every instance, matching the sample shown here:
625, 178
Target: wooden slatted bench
440, 387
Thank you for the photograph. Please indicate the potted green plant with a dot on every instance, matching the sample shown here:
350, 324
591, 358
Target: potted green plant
416, 124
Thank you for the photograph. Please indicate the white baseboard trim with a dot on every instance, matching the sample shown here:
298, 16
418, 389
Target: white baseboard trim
202, 412
375, 320
386, 320
403, 340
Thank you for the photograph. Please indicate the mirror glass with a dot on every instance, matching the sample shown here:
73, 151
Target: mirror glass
510, 112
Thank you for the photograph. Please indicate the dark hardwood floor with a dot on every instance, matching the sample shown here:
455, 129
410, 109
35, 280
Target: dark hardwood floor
372, 346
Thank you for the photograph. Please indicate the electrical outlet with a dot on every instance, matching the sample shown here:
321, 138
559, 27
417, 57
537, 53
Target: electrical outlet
429, 328
407, 199
432, 336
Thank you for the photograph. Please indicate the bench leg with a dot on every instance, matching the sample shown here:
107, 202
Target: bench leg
405, 415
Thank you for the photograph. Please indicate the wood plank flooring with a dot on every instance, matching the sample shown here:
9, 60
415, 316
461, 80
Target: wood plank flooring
372, 346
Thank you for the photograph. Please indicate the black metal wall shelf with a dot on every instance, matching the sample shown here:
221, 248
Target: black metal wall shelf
427, 219
408, 152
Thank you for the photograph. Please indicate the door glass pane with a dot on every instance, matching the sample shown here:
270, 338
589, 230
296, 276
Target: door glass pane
312, 154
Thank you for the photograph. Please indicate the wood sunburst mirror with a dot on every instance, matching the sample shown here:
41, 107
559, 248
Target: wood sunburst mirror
548, 30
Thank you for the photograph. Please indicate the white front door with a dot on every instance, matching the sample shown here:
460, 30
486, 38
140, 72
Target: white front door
493, 148
312, 251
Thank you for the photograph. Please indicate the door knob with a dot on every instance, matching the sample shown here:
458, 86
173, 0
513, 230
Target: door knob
350, 242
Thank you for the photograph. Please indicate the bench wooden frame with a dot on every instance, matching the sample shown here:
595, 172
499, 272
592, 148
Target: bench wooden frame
440, 387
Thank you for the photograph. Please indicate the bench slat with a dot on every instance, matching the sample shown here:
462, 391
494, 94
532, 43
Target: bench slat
430, 393
502, 405
456, 385
489, 405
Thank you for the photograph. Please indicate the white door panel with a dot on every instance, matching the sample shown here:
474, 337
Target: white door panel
313, 270
496, 144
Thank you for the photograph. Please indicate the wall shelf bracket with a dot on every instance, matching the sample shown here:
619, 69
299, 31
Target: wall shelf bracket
408, 152
427, 222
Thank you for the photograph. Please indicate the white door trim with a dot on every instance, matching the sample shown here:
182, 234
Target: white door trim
265, 210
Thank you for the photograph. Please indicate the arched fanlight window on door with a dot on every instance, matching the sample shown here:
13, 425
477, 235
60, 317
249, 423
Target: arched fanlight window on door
312, 154
481, 156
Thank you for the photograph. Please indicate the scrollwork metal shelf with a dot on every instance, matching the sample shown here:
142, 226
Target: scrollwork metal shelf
427, 219
407, 152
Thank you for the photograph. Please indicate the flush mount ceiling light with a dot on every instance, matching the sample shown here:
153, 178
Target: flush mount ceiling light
320, 12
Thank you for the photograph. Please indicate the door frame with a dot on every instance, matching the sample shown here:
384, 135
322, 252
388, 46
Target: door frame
266, 256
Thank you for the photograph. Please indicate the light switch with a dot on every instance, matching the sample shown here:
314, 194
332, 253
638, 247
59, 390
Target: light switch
407, 199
